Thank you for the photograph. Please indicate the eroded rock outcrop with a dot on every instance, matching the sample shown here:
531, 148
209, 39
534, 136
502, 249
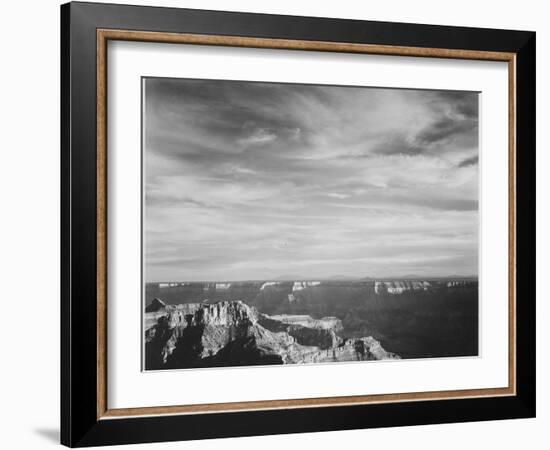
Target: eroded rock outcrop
156, 305
233, 333
362, 349
326, 323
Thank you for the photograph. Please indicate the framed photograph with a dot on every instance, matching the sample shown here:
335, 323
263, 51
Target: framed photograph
276, 224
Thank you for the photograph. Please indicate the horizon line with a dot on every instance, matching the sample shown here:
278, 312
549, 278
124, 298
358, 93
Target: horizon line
404, 277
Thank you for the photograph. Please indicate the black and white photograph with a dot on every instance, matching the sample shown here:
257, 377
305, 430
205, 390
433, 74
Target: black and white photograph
299, 223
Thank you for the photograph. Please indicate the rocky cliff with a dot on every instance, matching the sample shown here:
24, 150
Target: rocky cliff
233, 333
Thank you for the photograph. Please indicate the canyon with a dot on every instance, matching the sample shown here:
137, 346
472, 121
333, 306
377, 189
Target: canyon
410, 317
232, 333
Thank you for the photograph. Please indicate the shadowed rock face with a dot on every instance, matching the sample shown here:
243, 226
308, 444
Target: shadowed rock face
233, 334
156, 305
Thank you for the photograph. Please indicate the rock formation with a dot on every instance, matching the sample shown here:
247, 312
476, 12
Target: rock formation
156, 305
399, 287
300, 285
232, 333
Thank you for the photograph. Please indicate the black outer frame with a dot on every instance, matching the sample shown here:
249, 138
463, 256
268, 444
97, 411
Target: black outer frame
79, 423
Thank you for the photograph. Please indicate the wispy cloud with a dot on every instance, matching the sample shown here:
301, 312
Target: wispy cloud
468, 161
254, 180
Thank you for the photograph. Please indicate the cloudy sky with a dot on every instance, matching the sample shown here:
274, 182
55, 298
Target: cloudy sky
266, 180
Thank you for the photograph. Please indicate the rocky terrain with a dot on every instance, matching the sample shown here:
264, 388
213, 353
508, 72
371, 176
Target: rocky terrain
412, 317
232, 333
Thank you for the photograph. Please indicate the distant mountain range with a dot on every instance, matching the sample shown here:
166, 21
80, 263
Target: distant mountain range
290, 278
424, 277
300, 278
